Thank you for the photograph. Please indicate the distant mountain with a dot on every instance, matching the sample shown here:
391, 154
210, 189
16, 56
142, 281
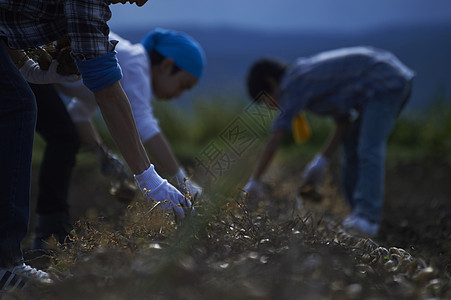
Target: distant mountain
426, 49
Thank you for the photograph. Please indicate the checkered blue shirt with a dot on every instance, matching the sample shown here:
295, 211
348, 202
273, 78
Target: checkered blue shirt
30, 23
336, 83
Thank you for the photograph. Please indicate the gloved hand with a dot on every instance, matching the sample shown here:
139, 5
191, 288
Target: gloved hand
158, 189
253, 187
184, 184
34, 74
314, 172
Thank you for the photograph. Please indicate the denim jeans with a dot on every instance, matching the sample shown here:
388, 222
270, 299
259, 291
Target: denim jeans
17, 125
364, 151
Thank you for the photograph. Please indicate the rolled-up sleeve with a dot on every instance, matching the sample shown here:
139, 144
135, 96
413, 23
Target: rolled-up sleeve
100, 72
92, 50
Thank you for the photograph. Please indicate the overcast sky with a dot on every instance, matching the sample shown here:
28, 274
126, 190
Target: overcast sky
342, 15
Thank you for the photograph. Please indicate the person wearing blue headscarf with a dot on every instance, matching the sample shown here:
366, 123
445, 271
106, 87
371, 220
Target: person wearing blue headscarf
164, 65
186, 53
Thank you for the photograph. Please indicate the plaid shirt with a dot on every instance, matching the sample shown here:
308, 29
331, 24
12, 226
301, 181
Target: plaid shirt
30, 23
337, 83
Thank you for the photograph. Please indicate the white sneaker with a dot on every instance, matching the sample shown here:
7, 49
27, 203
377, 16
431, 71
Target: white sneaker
19, 276
360, 226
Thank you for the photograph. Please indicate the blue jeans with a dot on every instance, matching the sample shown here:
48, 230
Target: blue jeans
17, 125
364, 151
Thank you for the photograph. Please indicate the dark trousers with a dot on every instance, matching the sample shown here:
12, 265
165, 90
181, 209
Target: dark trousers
55, 126
17, 126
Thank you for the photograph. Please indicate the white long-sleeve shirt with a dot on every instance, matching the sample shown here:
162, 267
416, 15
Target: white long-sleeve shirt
136, 82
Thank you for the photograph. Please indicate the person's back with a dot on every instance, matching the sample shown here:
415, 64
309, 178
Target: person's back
362, 89
349, 63
334, 82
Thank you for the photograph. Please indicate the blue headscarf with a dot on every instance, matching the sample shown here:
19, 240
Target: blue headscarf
184, 50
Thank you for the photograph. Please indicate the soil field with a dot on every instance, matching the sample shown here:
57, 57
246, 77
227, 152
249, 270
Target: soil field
265, 248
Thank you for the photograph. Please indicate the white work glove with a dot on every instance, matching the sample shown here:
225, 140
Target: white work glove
158, 189
314, 172
184, 184
34, 74
253, 188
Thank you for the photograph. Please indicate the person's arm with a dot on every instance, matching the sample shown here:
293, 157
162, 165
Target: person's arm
117, 113
89, 136
271, 147
136, 72
160, 151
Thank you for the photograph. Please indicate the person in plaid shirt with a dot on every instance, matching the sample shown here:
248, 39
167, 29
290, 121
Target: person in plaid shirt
28, 24
363, 90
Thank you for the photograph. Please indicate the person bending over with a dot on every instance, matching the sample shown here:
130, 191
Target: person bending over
30, 24
363, 89
165, 64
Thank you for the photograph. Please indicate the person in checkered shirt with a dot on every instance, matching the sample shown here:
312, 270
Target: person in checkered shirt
363, 89
27, 24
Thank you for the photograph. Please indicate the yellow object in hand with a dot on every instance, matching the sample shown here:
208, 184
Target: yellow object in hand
301, 128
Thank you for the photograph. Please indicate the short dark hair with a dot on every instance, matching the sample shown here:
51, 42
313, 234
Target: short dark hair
156, 58
260, 73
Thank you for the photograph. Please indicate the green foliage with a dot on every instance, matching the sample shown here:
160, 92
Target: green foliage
189, 130
416, 136
425, 135
421, 135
